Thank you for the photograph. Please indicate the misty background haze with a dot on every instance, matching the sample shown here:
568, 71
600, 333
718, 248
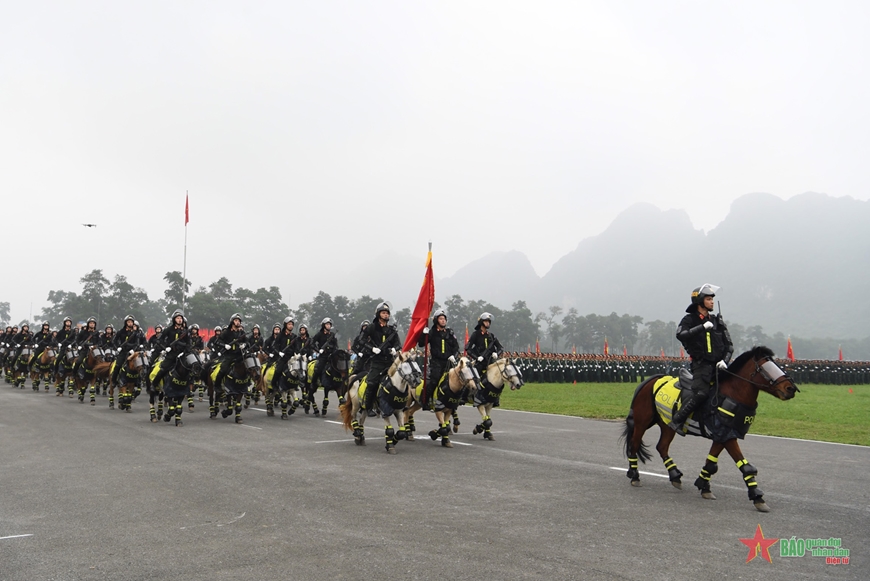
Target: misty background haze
322, 140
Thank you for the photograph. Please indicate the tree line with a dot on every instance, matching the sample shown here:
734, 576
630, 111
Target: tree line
518, 328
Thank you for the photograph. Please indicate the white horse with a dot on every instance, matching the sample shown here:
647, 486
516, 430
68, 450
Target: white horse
447, 397
289, 386
392, 397
498, 373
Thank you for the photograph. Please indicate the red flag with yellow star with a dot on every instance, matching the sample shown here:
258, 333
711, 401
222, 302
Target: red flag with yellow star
425, 301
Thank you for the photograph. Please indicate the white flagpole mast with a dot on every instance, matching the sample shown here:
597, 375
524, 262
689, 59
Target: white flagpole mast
184, 268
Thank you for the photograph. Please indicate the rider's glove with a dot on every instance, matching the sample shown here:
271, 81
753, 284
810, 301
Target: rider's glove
722, 365
376, 350
321, 351
425, 330
452, 359
393, 351
494, 356
167, 350
480, 359
708, 325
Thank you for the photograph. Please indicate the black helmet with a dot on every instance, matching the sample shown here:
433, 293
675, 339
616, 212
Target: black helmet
218, 329
705, 290
91, 320
276, 326
256, 326
135, 323
364, 324
67, 320
129, 318
234, 317
325, 321
109, 326
194, 327
303, 326
46, 324
289, 320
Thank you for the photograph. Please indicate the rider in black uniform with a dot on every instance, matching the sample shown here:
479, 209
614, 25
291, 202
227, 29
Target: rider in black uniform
483, 345
443, 349
707, 341
380, 348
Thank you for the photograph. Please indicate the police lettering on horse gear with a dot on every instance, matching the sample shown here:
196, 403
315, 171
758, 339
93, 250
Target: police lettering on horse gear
282, 349
443, 346
380, 347
707, 341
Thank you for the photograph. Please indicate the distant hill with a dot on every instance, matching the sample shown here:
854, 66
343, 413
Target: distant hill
798, 266
515, 279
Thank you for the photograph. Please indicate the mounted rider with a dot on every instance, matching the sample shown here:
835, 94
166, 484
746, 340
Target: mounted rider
153, 342
268, 341
325, 344
707, 341
380, 347
255, 339
125, 343
214, 344
483, 345
64, 339
232, 338
360, 363
282, 349
21, 339
195, 338
443, 349
174, 340
302, 343
41, 341
87, 336
107, 338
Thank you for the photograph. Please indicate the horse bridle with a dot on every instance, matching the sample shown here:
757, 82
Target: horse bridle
759, 370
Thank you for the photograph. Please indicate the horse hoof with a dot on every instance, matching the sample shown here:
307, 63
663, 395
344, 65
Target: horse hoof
128, 410
708, 496
410, 437
93, 402
446, 443
455, 428
111, 406
677, 484
391, 451
761, 506
636, 483
239, 421
154, 419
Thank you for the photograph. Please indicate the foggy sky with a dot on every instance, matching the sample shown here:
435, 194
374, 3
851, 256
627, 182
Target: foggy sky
313, 134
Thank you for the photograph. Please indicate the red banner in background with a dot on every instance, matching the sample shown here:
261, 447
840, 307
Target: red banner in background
789, 352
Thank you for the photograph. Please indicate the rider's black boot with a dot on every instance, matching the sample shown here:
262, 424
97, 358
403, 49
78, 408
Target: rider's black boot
682, 414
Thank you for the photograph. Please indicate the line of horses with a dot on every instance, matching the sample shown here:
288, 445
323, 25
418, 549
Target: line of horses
725, 418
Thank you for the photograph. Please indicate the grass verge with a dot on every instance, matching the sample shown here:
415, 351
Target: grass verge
831, 413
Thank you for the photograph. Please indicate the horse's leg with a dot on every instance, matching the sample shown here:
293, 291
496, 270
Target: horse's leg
702, 483
112, 396
749, 472
390, 434
312, 391
190, 393
179, 408
325, 399
487, 422
456, 422
410, 427
93, 390
238, 407
443, 430
665, 439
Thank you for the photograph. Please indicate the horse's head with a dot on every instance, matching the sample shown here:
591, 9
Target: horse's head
405, 370
465, 373
510, 372
297, 365
757, 367
137, 359
340, 361
192, 362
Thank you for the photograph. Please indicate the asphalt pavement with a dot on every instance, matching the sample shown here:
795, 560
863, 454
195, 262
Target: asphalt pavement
92, 493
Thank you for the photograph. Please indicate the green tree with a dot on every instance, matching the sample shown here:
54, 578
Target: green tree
4, 312
174, 295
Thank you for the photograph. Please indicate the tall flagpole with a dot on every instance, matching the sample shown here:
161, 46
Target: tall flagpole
184, 268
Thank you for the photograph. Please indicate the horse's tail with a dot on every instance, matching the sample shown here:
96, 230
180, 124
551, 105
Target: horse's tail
643, 452
346, 410
102, 369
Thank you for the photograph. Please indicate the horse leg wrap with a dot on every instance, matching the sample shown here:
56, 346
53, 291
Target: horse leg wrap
456, 418
153, 413
487, 423
674, 473
402, 434
444, 430
390, 435
711, 466
411, 425
112, 403
749, 472
632, 473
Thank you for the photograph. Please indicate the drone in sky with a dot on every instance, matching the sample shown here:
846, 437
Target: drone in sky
89, 225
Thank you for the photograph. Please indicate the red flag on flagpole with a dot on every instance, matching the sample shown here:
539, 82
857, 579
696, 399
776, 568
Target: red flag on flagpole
186, 210
348, 344
789, 352
606, 347
841, 352
682, 353
537, 346
624, 351
574, 349
663, 351
420, 317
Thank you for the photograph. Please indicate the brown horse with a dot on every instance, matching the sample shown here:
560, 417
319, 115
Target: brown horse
127, 378
726, 416
42, 368
93, 368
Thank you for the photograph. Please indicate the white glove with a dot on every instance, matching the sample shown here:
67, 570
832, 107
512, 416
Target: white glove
376, 350
708, 325
281, 354
118, 351
393, 351
480, 359
271, 355
167, 350
321, 351
243, 345
227, 347
425, 330
722, 365
494, 356
359, 354
452, 359
131, 352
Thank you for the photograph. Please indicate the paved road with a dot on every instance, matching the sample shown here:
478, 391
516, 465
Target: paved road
108, 495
